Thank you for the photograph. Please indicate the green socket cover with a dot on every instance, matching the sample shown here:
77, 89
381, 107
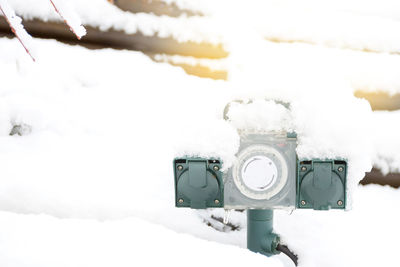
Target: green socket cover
198, 183
321, 184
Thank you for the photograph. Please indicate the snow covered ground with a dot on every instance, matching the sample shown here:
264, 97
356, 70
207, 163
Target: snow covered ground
89, 182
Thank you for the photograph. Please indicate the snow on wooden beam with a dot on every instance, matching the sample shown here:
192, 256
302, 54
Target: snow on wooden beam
120, 40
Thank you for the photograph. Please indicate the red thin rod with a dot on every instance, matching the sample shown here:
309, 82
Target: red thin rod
66, 22
16, 35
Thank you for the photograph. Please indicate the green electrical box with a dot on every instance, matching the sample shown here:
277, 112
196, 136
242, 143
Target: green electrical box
198, 183
321, 184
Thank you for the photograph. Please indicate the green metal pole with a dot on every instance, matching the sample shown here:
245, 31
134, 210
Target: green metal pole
260, 237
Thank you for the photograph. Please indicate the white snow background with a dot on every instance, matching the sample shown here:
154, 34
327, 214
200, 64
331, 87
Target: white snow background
91, 181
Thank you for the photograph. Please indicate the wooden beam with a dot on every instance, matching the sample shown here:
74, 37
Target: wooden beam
376, 177
380, 100
156, 7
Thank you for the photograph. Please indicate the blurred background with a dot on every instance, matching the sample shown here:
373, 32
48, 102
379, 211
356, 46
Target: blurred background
208, 59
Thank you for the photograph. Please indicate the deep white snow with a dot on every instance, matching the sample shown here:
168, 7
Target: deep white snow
101, 145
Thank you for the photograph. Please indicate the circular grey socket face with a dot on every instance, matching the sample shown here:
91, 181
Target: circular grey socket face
259, 173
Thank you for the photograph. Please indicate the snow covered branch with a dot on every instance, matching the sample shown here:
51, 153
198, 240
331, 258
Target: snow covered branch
16, 26
70, 17
61, 7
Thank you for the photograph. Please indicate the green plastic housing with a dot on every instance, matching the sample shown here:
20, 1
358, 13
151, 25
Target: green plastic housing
198, 183
321, 184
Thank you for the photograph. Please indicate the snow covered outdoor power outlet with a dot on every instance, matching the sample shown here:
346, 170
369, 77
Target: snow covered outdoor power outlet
266, 175
321, 184
198, 183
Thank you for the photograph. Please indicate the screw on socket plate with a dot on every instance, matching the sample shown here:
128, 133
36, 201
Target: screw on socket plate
340, 169
216, 201
303, 202
180, 167
180, 200
303, 169
340, 203
216, 168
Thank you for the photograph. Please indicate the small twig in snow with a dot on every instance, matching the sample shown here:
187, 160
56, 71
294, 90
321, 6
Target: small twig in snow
16, 27
70, 18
